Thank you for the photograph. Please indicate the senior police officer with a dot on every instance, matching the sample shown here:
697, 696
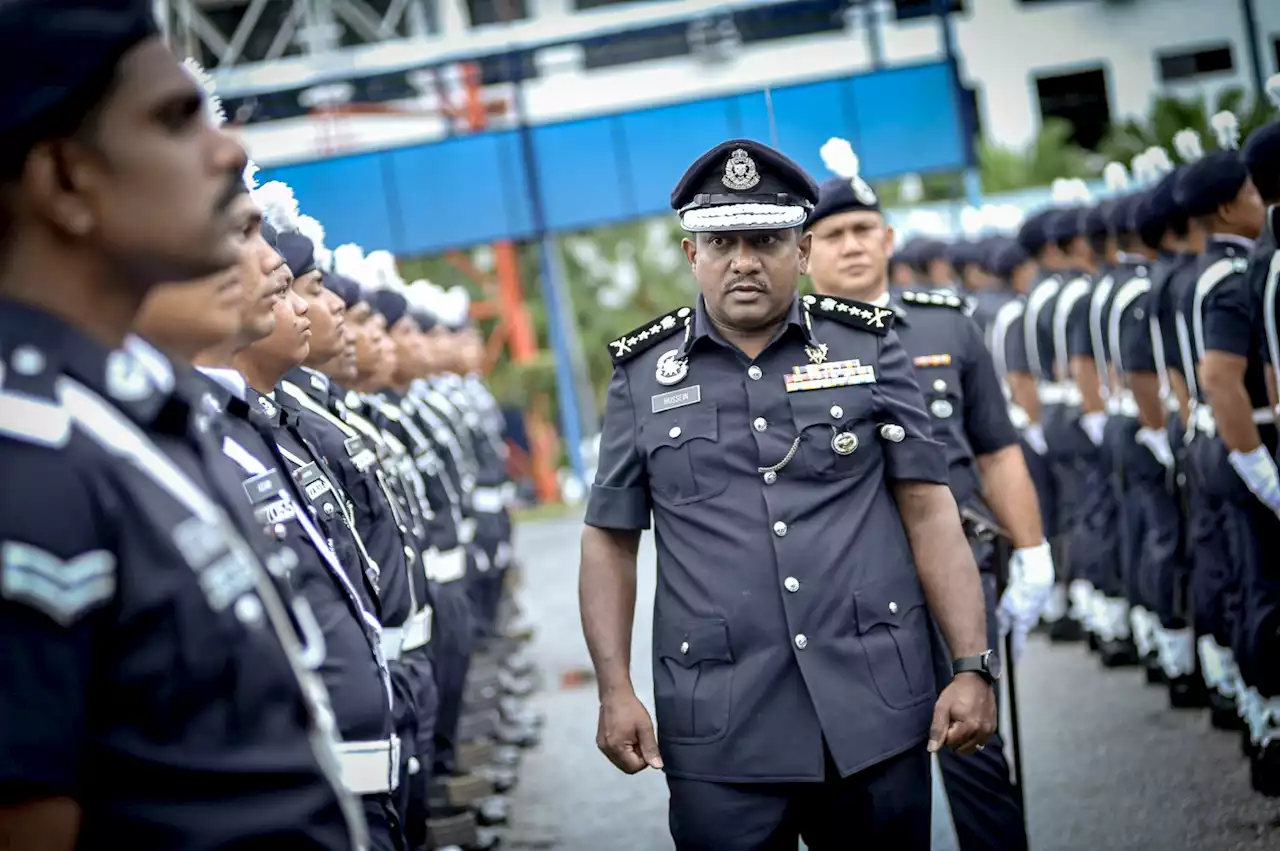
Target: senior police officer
802, 522
156, 683
848, 258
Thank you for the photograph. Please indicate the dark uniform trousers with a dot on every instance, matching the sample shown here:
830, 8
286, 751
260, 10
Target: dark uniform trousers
885, 806
1215, 580
1046, 489
1156, 537
1093, 533
451, 653
1129, 521
1059, 429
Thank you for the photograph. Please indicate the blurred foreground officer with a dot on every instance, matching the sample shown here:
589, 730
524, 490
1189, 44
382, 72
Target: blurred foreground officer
970, 417
1233, 422
156, 691
802, 523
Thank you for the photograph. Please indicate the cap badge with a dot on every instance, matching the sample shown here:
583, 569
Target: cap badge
740, 171
863, 191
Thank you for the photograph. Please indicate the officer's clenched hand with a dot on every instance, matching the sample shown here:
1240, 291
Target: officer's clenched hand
625, 734
964, 717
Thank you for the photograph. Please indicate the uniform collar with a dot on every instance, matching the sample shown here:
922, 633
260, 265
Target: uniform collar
703, 328
314, 384
229, 379
1232, 239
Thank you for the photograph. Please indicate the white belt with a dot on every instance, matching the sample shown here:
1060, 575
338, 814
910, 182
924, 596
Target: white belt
417, 630
487, 500
445, 567
466, 530
392, 642
1059, 393
1202, 419
1122, 404
509, 493
369, 768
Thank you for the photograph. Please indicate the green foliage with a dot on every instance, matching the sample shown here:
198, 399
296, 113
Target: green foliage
1049, 156
1168, 114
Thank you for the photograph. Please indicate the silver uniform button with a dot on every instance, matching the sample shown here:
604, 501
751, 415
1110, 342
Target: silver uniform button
27, 360
791, 584
329, 509
759, 424
893, 433
893, 608
279, 531
674, 433
770, 477
837, 412
801, 641
754, 372
780, 529
684, 647
939, 385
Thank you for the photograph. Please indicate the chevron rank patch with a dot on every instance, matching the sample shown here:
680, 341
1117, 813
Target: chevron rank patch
925, 361
855, 314
64, 590
933, 299
649, 335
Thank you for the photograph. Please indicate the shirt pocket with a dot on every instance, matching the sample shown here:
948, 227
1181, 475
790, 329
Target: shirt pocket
685, 459
693, 679
895, 630
836, 430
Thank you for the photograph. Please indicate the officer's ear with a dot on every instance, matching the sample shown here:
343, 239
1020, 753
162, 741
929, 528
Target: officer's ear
690, 250
888, 239
804, 242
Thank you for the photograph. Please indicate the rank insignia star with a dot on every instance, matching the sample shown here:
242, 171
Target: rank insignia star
648, 335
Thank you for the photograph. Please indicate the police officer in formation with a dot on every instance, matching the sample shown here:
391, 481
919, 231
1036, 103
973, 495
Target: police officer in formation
1140, 368
219, 581
805, 533
970, 417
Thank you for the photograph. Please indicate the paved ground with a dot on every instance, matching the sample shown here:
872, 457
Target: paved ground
1109, 767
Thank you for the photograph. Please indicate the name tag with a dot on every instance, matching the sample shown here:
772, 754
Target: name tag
353, 445
263, 487
280, 511
318, 488
677, 398
306, 474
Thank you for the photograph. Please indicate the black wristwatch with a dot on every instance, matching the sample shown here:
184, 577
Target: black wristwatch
986, 665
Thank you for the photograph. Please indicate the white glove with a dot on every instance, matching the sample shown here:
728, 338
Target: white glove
1094, 426
1157, 441
1034, 435
1258, 470
1030, 585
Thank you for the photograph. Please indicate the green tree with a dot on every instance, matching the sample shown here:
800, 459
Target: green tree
1169, 114
1049, 156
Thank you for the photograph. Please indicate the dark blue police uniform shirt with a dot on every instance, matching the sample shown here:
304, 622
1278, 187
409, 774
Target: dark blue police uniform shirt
788, 610
1264, 284
1133, 313
1167, 292
985, 304
1129, 279
1216, 308
958, 381
355, 465
1071, 320
143, 673
1006, 340
350, 669
1038, 324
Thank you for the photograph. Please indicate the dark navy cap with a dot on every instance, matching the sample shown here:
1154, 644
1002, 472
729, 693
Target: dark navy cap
1158, 210
1065, 225
1034, 234
927, 250
1261, 155
53, 51
962, 252
270, 234
1207, 184
743, 185
1096, 218
298, 253
842, 195
985, 249
905, 253
425, 319
1120, 218
335, 284
1007, 258
354, 293
390, 304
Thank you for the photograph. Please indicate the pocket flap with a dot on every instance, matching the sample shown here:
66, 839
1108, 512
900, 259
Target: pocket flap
838, 407
692, 642
676, 428
887, 602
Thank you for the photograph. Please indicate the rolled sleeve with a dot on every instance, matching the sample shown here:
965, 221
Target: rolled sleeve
620, 495
1079, 339
916, 458
1228, 325
986, 411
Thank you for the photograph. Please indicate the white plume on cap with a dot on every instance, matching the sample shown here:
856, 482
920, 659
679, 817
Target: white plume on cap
1187, 144
1080, 191
1115, 177
420, 295
928, 222
839, 158
973, 220
279, 206
1140, 168
457, 306
1226, 127
213, 108
1273, 89
1061, 191
381, 265
311, 228
251, 175
348, 261
1158, 158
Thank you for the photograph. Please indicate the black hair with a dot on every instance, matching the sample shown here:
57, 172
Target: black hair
1266, 176
1098, 242
1179, 223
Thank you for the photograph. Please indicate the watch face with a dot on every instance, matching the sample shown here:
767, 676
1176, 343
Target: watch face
995, 666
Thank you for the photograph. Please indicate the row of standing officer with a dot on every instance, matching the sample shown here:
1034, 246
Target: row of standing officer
1136, 351
226, 585
794, 658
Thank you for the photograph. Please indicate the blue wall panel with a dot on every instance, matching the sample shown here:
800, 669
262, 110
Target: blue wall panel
579, 169
907, 120
347, 195
662, 143
469, 190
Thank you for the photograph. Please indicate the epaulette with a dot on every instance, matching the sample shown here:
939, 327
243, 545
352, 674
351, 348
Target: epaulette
855, 314
649, 335
934, 299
